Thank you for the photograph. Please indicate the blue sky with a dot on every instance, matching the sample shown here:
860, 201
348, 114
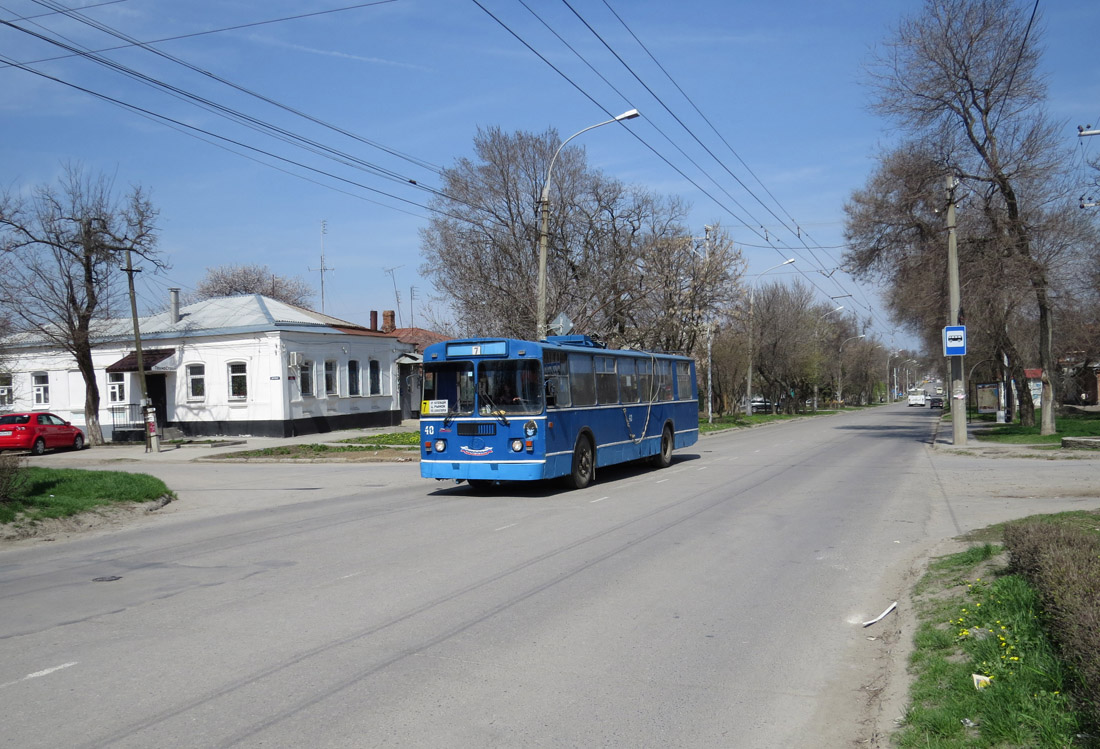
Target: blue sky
780, 82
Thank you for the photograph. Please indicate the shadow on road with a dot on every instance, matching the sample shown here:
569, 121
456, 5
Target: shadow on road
554, 487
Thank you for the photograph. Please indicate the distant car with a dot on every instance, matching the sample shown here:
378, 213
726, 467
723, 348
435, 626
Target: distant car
935, 401
761, 405
916, 399
37, 432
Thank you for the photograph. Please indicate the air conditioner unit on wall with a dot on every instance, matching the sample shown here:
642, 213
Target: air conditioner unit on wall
296, 358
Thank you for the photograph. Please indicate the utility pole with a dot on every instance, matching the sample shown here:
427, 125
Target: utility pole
323, 268
958, 383
148, 412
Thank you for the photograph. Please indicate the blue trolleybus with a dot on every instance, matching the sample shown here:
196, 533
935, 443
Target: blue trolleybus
500, 409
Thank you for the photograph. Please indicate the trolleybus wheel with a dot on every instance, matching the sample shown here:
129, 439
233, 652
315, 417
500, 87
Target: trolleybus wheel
581, 475
663, 459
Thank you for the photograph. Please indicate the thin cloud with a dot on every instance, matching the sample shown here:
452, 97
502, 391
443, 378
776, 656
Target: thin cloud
340, 55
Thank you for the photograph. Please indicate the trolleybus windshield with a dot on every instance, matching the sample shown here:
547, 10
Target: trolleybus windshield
509, 386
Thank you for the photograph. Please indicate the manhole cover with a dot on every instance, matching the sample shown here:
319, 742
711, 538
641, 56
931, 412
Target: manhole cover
106, 579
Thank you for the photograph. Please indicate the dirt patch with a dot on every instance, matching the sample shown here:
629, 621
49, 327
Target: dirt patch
106, 517
351, 456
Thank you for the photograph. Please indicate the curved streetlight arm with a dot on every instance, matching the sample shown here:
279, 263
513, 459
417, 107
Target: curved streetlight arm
544, 219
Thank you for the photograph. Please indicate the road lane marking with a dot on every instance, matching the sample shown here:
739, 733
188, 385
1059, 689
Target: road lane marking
353, 574
594, 501
36, 674
662, 481
505, 527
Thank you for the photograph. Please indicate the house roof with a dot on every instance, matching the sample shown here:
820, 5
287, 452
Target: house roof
419, 337
233, 315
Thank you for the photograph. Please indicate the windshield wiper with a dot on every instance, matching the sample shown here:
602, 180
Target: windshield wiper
494, 409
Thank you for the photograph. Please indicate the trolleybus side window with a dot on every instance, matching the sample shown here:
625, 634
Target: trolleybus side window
628, 380
683, 380
555, 369
582, 383
607, 382
645, 380
664, 380
452, 382
509, 387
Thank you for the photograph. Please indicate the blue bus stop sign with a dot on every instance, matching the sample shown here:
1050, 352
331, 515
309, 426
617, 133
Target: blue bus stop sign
954, 340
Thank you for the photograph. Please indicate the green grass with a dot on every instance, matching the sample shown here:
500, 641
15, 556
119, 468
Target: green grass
1069, 425
399, 441
976, 618
391, 439
62, 492
740, 421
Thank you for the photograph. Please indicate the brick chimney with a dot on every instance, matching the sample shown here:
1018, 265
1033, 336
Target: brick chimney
374, 319
387, 321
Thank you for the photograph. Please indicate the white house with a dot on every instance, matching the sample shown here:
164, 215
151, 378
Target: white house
243, 365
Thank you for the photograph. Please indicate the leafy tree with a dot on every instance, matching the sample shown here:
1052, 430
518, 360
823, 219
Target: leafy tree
620, 263
234, 280
962, 78
61, 249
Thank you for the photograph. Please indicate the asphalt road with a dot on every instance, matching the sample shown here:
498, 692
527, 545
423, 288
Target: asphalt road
718, 602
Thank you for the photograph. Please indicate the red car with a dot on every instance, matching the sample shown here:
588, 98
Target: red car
38, 431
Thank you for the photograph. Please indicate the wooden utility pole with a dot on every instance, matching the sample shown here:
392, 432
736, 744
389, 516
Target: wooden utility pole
152, 439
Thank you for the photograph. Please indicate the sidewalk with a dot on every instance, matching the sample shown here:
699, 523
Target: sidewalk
110, 453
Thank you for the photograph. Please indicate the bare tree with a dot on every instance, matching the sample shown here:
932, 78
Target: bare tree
621, 265
61, 248
234, 280
962, 77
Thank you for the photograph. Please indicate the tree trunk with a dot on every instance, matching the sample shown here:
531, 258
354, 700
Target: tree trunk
93, 430
1046, 361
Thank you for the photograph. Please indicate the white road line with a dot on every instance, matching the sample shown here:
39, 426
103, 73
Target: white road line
662, 481
36, 674
702, 468
594, 501
505, 527
353, 574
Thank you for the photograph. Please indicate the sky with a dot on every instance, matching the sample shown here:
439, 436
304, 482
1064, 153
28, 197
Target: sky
754, 113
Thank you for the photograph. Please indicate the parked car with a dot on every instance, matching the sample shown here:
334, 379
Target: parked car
761, 406
37, 432
936, 401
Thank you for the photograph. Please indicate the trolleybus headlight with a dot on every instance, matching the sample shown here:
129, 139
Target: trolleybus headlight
517, 446
440, 445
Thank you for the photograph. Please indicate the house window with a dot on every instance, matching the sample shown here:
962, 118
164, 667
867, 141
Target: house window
353, 377
305, 378
116, 387
41, 383
375, 378
196, 382
7, 396
238, 381
330, 378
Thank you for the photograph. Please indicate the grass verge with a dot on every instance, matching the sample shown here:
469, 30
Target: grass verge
62, 492
1069, 425
978, 617
392, 444
740, 421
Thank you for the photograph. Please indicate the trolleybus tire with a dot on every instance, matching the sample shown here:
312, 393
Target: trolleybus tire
583, 464
663, 459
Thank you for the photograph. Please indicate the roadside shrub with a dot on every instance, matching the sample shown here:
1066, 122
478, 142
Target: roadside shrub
1063, 563
13, 479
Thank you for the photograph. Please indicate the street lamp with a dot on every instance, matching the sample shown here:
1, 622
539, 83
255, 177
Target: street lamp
748, 376
840, 367
544, 223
